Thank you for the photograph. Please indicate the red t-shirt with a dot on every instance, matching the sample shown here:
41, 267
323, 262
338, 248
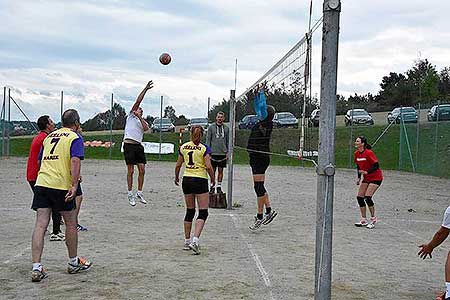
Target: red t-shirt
365, 160
32, 164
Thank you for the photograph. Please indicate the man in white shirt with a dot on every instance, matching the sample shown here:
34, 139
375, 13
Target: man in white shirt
133, 150
438, 238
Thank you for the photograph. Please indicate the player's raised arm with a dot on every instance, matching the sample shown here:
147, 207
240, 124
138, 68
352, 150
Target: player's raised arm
141, 96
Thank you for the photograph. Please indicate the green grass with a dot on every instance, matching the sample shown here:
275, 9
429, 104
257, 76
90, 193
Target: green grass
432, 159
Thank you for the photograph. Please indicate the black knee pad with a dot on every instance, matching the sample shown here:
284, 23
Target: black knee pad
203, 214
259, 188
361, 201
190, 213
369, 201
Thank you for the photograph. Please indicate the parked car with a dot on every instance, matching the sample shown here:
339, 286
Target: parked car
198, 122
408, 114
285, 120
163, 125
358, 116
441, 113
248, 122
314, 118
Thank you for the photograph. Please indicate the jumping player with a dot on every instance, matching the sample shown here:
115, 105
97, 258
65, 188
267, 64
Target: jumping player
133, 151
258, 148
438, 238
369, 171
197, 161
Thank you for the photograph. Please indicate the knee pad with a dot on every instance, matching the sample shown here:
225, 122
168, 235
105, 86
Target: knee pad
203, 214
361, 201
259, 188
369, 201
190, 213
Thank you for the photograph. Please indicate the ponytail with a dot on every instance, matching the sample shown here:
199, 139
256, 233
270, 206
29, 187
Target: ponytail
364, 141
196, 134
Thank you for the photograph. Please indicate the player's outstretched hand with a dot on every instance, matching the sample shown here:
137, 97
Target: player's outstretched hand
425, 250
149, 85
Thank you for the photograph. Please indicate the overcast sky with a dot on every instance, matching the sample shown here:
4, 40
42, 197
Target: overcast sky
90, 49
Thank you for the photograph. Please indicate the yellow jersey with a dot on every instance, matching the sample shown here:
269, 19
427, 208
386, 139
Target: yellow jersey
57, 150
194, 159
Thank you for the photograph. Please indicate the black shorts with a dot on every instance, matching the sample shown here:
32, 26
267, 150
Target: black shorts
51, 198
377, 182
134, 154
259, 163
219, 161
194, 185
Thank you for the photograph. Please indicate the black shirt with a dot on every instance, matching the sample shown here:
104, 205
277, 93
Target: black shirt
259, 139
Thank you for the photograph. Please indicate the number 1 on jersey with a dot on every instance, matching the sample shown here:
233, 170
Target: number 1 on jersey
191, 160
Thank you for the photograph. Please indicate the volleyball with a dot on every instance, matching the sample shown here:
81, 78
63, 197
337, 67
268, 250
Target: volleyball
165, 59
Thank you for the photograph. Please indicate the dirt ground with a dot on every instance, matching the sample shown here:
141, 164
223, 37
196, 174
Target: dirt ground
137, 251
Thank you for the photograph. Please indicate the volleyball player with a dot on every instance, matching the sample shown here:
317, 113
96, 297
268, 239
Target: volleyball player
197, 166
369, 180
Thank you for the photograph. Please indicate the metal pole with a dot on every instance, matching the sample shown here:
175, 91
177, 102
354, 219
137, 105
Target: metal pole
8, 146
62, 105
209, 102
417, 139
3, 122
326, 169
350, 142
436, 136
400, 148
231, 149
160, 128
111, 125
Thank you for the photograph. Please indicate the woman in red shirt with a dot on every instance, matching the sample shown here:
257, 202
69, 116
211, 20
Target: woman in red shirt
370, 173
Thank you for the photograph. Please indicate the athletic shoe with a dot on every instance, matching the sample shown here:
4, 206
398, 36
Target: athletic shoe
37, 276
140, 197
269, 217
186, 246
373, 220
362, 223
195, 247
442, 297
219, 190
211, 190
57, 237
82, 265
81, 228
256, 224
131, 200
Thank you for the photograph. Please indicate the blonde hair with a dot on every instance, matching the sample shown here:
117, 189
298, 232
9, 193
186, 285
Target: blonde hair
196, 134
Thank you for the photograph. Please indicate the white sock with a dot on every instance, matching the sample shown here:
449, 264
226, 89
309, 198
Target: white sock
130, 193
73, 260
447, 293
139, 193
219, 184
195, 240
37, 266
187, 241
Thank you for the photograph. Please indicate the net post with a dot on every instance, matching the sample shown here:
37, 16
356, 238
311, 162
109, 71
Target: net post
326, 159
3, 122
61, 106
8, 140
111, 125
400, 148
231, 149
160, 127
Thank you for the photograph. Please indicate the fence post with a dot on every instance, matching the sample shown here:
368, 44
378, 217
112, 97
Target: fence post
8, 145
417, 139
401, 139
231, 149
3, 122
436, 136
160, 127
111, 119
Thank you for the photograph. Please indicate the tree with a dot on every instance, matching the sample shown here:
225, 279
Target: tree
102, 121
181, 120
395, 91
444, 84
169, 112
425, 80
149, 119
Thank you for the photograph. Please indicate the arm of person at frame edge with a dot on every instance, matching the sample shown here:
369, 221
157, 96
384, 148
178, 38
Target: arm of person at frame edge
178, 168
209, 169
75, 166
260, 104
142, 95
438, 238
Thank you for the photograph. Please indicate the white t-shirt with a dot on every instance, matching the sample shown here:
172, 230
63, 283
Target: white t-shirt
446, 222
133, 129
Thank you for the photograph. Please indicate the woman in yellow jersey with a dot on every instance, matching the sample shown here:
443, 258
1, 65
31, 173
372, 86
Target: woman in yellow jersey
197, 165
